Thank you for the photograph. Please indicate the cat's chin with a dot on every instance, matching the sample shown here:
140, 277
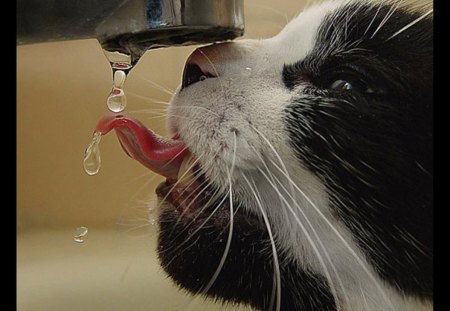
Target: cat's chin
201, 254
192, 243
192, 237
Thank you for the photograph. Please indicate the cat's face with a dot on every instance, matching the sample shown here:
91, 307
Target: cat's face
310, 182
307, 184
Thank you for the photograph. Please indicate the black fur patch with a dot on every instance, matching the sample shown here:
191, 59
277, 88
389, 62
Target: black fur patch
373, 150
247, 275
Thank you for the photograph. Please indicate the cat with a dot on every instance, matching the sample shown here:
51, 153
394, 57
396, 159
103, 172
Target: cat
300, 172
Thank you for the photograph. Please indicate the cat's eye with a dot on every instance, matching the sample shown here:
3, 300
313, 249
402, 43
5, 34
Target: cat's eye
349, 81
347, 86
341, 85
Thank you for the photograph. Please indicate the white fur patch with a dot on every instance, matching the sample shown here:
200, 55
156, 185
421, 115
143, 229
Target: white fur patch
247, 101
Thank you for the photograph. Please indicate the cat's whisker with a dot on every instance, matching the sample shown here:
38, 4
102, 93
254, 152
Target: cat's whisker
162, 116
137, 227
341, 238
274, 287
366, 305
147, 110
273, 181
179, 179
305, 231
230, 232
201, 226
211, 199
141, 176
410, 24
273, 150
276, 263
133, 199
213, 196
198, 194
284, 171
165, 110
148, 99
157, 86
197, 107
373, 19
310, 240
388, 15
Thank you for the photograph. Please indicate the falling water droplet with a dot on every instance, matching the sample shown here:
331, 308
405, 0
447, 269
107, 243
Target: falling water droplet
121, 64
117, 101
92, 160
119, 78
80, 234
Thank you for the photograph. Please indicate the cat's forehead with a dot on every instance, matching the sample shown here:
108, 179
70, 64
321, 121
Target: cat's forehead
299, 36
350, 28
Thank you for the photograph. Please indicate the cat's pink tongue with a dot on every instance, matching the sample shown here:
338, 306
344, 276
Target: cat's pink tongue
161, 155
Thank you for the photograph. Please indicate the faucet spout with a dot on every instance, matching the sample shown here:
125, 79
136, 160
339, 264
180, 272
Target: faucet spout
130, 26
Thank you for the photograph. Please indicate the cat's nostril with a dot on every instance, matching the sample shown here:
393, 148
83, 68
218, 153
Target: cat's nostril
193, 73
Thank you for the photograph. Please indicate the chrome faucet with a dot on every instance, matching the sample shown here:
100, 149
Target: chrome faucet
130, 26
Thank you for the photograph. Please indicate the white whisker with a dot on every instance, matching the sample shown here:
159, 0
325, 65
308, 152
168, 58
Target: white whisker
230, 232
272, 242
364, 299
410, 24
198, 107
179, 179
194, 199
308, 237
146, 98
310, 240
158, 86
386, 18
373, 19
338, 234
194, 232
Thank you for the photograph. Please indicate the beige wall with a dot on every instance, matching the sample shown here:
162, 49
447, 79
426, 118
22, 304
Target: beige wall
61, 93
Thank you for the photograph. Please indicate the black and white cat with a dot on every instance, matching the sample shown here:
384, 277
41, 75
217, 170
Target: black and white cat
301, 170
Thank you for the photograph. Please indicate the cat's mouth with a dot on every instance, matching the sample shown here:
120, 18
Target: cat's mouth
169, 158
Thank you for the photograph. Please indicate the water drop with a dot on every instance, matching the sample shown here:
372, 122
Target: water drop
152, 221
119, 78
117, 101
80, 234
92, 160
121, 64
248, 68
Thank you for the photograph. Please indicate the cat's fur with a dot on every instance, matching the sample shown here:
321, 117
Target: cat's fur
339, 175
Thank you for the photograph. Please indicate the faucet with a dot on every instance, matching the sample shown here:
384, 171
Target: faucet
130, 26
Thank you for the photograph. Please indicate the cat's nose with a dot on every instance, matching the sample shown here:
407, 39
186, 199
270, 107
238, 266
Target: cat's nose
198, 67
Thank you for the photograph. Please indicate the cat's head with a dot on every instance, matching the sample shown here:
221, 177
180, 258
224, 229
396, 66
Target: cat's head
307, 179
